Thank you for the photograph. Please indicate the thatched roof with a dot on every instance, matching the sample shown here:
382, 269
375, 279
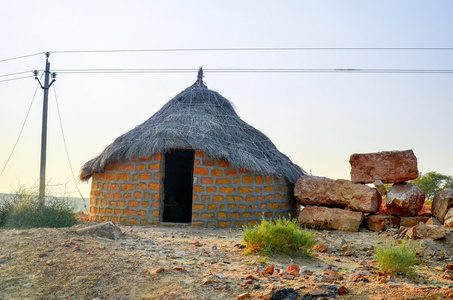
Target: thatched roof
200, 119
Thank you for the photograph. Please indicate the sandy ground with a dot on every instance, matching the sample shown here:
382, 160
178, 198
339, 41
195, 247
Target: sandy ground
183, 262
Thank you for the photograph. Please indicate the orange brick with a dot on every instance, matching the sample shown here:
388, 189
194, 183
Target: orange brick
208, 216
268, 179
108, 195
235, 215
155, 186
230, 198
199, 153
260, 198
212, 206
280, 188
103, 202
123, 220
259, 179
128, 167
118, 168
268, 215
145, 176
278, 196
128, 187
252, 223
239, 223
250, 199
222, 206
115, 220
242, 206
238, 199
155, 213
233, 206
196, 162
278, 215
243, 170
263, 206
231, 172
259, 215
133, 221
197, 189
121, 203
200, 171
109, 167
274, 205
138, 195
142, 186
127, 196
104, 186
140, 167
141, 213
224, 164
154, 166
156, 204
270, 197
156, 196
207, 180
224, 224
211, 189
217, 172
147, 158
194, 216
194, 197
245, 190
129, 212
222, 214
110, 176
227, 190
269, 188
103, 176
198, 206
246, 215
247, 180
209, 163
236, 180
97, 193
108, 211
145, 203
223, 181
133, 203
258, 190
197, 223
158, 175
134, 159
147, 195
114, 186
218, 198
144, 222
158, 157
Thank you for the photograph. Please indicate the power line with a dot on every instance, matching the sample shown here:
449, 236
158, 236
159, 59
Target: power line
255, 70
19, 57
17, 78
21, 130
13, 74
66, 149
256, 49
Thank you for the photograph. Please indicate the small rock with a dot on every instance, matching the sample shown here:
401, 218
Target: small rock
157, 270
269, 270
244, 296
221, 275
206, 281
342, 291
433, 221
422, 231
28, 285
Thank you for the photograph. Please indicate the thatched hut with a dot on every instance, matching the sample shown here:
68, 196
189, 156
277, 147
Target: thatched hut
194, 161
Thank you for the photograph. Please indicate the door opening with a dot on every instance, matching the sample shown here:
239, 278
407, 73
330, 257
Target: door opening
178, 186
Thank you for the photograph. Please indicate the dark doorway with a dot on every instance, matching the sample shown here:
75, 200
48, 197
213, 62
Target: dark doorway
178, 186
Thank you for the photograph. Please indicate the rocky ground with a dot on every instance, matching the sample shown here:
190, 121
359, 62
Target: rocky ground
183, 262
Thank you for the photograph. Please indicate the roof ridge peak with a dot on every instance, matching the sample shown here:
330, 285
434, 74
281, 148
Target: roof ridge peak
200, 82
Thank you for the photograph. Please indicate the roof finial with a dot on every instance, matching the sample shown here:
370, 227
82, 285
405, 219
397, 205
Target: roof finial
199, 81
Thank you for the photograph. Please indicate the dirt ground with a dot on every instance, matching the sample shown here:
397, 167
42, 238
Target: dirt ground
184, 262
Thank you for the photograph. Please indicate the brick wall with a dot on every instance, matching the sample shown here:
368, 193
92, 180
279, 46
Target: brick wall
132, 192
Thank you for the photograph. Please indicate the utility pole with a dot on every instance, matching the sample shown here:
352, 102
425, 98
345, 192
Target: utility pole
42, 175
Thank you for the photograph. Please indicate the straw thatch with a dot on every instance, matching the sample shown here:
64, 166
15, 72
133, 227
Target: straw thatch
200, 119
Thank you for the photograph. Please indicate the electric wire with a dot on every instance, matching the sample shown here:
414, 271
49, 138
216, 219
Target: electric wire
13, 74
21, 130
17, 78
20, 57
256, 70
66, 149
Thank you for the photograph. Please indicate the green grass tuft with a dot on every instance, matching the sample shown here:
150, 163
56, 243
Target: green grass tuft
24, 210
278, 237
396, 258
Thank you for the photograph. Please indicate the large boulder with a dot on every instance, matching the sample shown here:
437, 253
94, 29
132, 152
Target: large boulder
322, 191
330, 218
106, 230
412, 221
387, 166
381, 222
423, 231
405, 199
442, 202
448, 219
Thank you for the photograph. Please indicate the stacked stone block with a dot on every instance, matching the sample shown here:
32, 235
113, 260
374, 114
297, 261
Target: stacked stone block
132, 192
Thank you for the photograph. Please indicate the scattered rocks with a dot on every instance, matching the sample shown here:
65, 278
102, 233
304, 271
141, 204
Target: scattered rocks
387, 166
405, 199
322, 191
330, 218
442, 202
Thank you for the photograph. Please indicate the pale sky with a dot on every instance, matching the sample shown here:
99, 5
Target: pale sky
317, 119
